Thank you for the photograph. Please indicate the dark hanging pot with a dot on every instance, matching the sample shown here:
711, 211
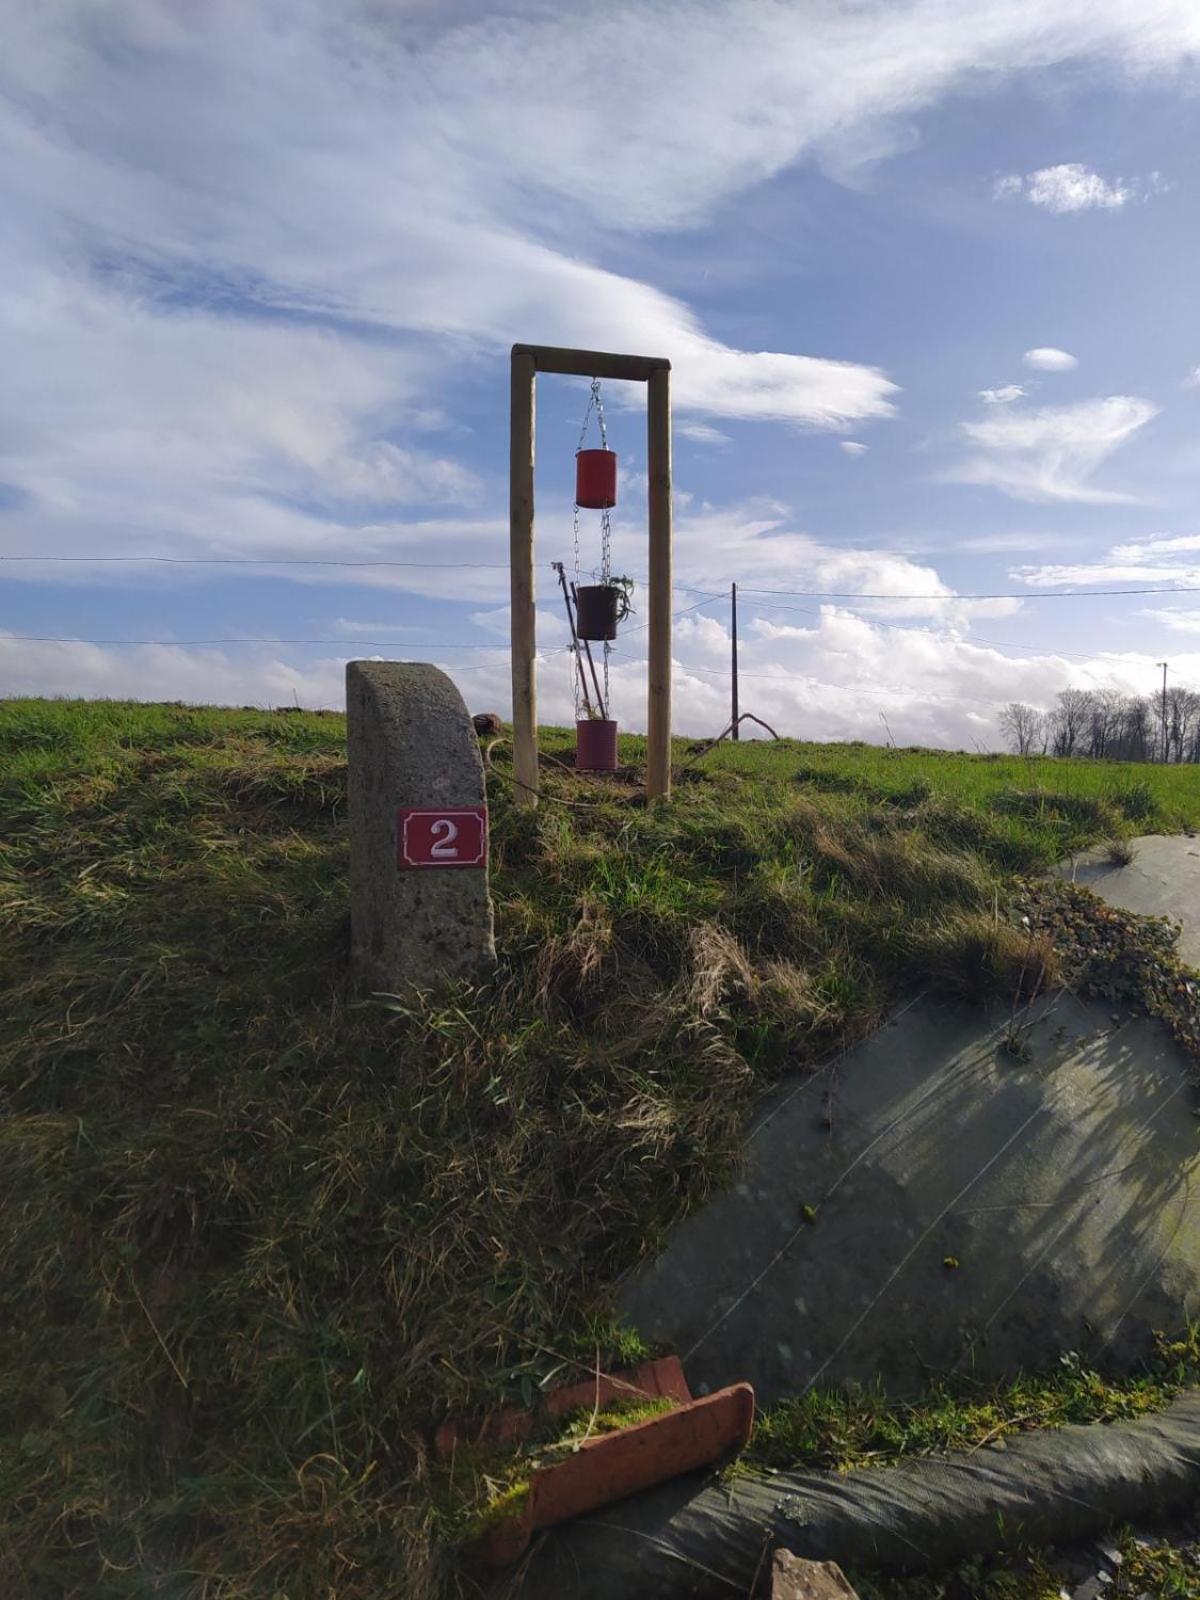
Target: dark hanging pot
597, 610
595, 745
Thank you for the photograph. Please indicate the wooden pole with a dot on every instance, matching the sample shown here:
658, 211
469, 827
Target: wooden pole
1166, 747
520, 551
658, 464
733, 702
591, 363
562, 578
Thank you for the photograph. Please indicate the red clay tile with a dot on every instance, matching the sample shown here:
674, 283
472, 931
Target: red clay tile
617, 1464
662, 1379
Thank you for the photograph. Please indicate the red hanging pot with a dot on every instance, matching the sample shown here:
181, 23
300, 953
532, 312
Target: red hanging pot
596, 479
595, 745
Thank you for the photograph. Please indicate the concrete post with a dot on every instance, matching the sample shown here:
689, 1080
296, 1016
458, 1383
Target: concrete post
420, 912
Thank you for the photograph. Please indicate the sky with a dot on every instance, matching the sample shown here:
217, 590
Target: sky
925, 271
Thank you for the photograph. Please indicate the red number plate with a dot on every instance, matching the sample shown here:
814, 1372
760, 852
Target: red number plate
453, 838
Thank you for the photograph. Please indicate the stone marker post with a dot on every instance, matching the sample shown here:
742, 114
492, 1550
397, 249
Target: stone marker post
420, 913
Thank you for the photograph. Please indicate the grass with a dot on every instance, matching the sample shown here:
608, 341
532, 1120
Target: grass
257, 1235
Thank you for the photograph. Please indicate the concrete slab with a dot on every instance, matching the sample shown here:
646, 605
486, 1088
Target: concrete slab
936, 1204
1163, 880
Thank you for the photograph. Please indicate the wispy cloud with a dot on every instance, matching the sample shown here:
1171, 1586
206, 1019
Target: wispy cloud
701, 433
852, 447
1003, 396
1045, 358
1147, 561
1052, 453
1176, 620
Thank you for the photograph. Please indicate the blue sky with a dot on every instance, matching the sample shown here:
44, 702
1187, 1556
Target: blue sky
261, 265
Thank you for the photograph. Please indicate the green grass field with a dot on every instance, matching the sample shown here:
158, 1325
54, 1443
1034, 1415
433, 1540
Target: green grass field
258, 1234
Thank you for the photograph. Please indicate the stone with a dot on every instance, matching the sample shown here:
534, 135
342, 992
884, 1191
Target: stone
793, 1578
1064, 1185
487, 724
1162, 880
1091, 1590
410, 743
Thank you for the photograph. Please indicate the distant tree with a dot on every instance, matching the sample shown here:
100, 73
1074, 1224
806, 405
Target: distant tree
1105, 718
1135, 741
1183, 714
1069, 720
1024, 727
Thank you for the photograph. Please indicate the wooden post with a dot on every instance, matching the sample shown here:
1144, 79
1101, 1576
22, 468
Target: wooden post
658, 466
733, 696
520, 549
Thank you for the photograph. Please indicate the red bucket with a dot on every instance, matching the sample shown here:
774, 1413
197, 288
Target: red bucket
595, 745
596, 479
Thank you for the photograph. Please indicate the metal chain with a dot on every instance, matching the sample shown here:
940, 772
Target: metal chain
599, 404
596, 404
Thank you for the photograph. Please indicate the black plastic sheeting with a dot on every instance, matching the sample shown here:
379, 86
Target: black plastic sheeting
700, 1536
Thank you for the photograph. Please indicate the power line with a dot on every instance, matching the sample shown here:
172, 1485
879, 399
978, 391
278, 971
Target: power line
675, 615
368, 644
502, 566
948, 599
266, 561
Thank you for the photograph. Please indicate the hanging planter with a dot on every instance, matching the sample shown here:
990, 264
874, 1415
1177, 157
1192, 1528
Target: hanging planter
595, 745
596, 479
602, 607
597, 606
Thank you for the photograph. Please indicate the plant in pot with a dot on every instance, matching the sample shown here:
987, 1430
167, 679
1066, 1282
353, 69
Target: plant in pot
601, 607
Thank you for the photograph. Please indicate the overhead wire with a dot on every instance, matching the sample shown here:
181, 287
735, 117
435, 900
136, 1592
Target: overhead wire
501, 566
267, 561
367, 644
1023, 594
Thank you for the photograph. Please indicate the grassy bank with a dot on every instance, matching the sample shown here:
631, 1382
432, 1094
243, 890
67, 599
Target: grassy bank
256, 1235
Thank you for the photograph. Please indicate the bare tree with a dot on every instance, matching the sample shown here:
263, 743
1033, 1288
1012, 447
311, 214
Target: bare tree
1024, 728
1183, 712
1108, 726
1069, 721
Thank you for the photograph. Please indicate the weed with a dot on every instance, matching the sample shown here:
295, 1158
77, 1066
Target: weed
979, 955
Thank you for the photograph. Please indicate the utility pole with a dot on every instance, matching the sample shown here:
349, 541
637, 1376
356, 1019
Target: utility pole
1163, 665
734, 683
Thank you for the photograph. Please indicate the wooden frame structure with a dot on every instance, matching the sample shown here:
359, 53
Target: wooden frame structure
655, 372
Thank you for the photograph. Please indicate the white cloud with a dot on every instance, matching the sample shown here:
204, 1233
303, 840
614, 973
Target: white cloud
1070, 186
1151, 561
1047, 359
1003, 396
827, 678
701, 433
754, 546
1176, 620
1192, 381
1004, 543
853, 448
1158, 548
364, 626
1051, 454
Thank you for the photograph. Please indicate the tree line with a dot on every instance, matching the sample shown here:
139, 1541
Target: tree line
1106, 724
